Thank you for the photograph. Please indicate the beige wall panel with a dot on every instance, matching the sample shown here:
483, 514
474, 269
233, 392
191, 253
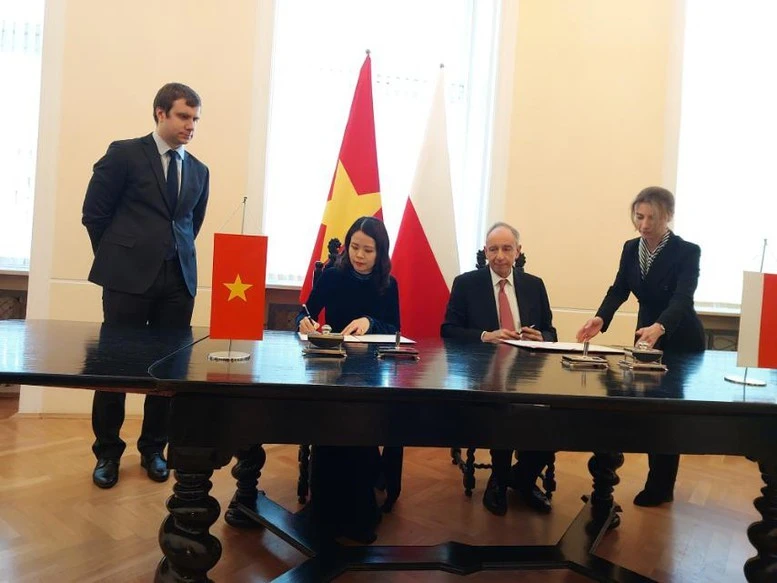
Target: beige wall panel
79, 402
116, 56
620, 333
588, 132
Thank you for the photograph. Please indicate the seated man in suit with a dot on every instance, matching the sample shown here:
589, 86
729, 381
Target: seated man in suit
488, 305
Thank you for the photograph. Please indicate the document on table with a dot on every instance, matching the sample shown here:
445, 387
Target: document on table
564, 347
369, 338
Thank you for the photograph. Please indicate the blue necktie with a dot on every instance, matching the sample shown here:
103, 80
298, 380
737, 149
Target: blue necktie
172, 179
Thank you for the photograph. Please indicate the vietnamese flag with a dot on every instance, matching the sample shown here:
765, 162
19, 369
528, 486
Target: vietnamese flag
237, 299
758, 321
425, 259
355, 188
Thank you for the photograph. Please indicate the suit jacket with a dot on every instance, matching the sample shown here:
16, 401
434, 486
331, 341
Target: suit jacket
665, 295
472, 306
130, 223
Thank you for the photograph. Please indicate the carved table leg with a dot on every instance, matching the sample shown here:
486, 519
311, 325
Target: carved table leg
603, 468
246, 472
190, 550
469, 472
763, 534
303, 482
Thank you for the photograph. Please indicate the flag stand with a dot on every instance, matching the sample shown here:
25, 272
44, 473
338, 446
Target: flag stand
743, 380
230, 355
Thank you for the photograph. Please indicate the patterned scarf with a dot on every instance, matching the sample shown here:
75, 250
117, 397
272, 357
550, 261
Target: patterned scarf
646, 258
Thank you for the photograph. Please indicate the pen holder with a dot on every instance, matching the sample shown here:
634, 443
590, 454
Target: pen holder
326, 340
325, 345
397, 352
644, 359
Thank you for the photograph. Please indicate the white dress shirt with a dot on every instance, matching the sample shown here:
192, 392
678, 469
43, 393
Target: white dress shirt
512, 299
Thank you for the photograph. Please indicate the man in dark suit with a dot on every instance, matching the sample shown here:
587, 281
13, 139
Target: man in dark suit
144, 206
488, 305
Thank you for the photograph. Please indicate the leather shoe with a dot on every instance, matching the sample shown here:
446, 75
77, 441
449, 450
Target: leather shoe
106, 473
495, 498
535, 499
156, 466
652, 498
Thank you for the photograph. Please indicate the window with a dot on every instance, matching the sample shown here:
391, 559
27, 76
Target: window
726, 178
318, 50
21, 35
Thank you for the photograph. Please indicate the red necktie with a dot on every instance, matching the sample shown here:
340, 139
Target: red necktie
506, 321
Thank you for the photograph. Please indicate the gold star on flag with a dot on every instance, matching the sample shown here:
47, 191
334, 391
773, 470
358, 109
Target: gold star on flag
345, 206
238, 289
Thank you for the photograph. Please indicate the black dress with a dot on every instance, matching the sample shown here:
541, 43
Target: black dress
342, 479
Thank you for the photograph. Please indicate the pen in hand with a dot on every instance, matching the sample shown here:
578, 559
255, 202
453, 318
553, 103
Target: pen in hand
308, 316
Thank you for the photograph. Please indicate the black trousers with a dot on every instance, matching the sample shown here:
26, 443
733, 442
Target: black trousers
530, 465
342, 487
663, 472
166, 304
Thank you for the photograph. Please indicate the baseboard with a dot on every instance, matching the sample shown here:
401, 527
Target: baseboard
63, 416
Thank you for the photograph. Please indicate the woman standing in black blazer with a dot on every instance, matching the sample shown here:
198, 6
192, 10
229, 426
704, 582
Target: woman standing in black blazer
662, 271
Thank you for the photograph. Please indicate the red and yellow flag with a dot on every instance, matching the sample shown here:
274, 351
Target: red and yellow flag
237, 300
355, 189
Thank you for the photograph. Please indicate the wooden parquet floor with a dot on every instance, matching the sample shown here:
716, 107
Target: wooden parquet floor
56, 526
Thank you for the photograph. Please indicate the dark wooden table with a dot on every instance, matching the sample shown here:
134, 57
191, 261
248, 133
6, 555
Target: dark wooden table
456, 395
461, 395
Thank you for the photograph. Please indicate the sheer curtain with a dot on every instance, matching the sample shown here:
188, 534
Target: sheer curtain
21, 34
318, 49
727, 166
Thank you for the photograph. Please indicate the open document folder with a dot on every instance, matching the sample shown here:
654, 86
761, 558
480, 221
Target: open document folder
369, 338
564, 347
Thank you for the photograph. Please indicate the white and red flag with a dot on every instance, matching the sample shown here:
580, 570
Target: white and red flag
425, 258
758, 321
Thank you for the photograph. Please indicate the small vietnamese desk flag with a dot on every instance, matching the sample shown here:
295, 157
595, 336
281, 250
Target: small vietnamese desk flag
758, 321
237, 300
355, 189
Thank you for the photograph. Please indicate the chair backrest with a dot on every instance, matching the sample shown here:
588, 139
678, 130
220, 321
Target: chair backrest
334, 250
480, 260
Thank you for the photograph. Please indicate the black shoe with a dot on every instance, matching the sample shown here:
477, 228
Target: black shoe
652, 498
156, 466
535, 499
106, 473
495, 497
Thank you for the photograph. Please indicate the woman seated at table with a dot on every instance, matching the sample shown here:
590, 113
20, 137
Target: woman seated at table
662, 271
360, 297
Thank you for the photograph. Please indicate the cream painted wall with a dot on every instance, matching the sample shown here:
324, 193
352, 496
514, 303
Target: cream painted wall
587, 117
592, 121
102, 64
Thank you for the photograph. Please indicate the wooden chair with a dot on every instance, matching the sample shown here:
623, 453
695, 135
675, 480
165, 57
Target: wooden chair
303, 454
390, 479
468, 465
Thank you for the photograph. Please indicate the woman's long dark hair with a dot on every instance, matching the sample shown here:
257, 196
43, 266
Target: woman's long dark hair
374, 228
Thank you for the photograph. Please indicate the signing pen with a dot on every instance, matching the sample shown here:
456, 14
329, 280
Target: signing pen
308, 316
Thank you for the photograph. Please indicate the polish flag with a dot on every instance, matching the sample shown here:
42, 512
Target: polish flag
758, 321
425, 258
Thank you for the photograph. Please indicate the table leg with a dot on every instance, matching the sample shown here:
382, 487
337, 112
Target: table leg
303, 481
246, 472
190, 550
603, 468
763, 534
